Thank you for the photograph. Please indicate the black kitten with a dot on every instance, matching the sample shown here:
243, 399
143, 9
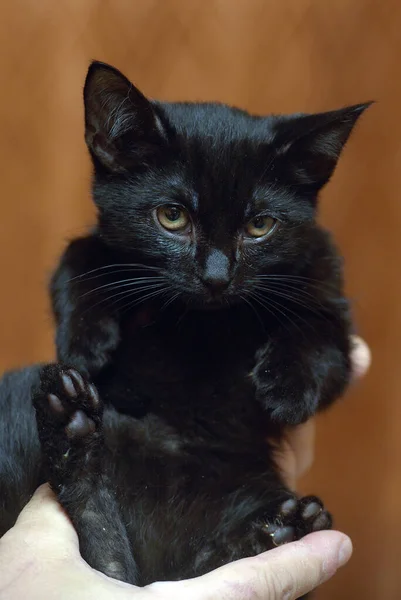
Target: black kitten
207, 307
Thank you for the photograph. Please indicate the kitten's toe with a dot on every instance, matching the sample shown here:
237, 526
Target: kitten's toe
313, 514
288, 508
280, 534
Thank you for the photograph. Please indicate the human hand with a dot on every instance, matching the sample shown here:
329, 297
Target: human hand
296, 451
39, 558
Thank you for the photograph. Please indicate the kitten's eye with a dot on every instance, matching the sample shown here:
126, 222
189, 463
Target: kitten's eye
260, 226
173, 217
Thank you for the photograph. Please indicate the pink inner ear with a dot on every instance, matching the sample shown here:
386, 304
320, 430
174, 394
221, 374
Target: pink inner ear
105, 151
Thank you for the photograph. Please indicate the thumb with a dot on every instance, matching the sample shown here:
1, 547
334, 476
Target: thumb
285, 573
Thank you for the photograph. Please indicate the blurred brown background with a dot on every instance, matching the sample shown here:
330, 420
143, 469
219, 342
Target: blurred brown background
263, 55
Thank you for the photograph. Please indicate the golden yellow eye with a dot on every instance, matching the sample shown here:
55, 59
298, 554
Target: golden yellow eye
173, 217
260, 226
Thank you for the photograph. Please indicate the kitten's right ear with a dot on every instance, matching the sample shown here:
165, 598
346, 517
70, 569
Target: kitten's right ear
121, 126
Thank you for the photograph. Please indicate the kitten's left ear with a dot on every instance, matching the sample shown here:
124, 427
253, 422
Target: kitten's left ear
313, 143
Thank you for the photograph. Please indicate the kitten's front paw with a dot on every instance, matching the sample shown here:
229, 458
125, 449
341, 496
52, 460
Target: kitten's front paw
287, 391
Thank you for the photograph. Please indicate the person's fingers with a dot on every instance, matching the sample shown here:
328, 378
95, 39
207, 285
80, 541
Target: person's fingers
44, 522
284, 573
301, 441
296, 452
360, 356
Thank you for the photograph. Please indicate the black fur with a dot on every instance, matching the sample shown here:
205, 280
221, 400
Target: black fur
201, 342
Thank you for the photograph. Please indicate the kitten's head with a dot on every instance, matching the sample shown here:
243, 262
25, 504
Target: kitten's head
210, 195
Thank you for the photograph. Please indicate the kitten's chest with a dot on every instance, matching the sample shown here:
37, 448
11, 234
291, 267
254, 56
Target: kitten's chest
198, 368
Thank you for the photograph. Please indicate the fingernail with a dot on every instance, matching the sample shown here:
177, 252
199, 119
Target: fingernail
344, 553
360, 356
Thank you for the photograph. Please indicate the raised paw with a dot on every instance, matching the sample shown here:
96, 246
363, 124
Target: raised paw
65, 400
69, 418
296, 517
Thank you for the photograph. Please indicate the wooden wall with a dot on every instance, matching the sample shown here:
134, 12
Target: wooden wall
263, 55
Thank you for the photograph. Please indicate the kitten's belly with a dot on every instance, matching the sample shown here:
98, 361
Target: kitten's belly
191, 444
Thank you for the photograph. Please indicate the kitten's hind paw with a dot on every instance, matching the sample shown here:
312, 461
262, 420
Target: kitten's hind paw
296, 518
69, 417
66, 401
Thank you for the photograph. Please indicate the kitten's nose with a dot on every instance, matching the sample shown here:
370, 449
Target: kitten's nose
216, 275
216, 284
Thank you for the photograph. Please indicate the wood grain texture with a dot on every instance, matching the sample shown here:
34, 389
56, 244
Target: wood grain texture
292, 55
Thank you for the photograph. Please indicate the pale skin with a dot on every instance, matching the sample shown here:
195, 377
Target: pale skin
39, 556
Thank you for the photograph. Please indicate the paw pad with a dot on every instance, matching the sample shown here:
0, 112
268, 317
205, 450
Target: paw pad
296, 518
70, 402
